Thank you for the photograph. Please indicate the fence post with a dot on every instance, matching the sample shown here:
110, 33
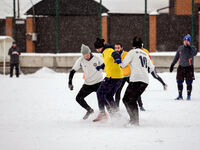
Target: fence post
105, 27
153, 32
30, 29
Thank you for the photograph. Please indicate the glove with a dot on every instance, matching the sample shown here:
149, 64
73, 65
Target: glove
99, 67
187, 46
118, 61
171, 68
70, 86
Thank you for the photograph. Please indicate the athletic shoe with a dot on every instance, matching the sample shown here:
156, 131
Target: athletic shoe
179, 98
188, 98
101, 116
133, 123
89, 112
165, 87
142, 108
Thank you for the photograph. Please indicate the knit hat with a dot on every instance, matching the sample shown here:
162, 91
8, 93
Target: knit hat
137, 42
14, 42
85, 49
99, 43
187, 37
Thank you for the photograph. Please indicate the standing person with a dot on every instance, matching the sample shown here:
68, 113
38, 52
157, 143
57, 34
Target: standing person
126, 72
185, 71
113, 79
139, 62
154, 73
93, 78
14, 53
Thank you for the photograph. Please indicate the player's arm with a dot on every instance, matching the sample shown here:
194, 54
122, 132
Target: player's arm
76, 67
116, 57
151, 67
174, 61
127, 59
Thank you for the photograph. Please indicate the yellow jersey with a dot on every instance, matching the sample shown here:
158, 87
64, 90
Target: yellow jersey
146, 51
127, 70
111, 69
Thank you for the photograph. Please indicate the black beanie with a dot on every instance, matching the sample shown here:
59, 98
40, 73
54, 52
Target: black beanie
137, 42
99, 43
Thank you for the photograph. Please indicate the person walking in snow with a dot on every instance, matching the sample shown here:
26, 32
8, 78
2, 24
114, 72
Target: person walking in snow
185, 71
93, 78
113, 79
126, 72
139, 63
14, 53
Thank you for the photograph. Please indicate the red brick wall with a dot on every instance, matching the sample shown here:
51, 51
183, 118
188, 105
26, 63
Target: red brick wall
30, 45
9, 26
105, 28
152, 33
183, 7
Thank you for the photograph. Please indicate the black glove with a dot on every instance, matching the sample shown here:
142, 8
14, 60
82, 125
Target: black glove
70, 86
187, 46
98, 67
171, 68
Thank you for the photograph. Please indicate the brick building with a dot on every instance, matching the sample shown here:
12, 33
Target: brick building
79, 23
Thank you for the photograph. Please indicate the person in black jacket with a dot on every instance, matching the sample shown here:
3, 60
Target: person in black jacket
185, 71
14, 53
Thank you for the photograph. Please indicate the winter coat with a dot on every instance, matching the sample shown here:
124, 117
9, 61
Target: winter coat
14, 53
185, 55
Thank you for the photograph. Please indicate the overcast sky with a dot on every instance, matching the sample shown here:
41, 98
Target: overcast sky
115, 6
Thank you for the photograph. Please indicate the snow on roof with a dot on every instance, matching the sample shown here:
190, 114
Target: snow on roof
134, 6
115, 6
5, 37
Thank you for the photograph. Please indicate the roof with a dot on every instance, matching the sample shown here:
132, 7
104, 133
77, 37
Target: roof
114, 6
67, 7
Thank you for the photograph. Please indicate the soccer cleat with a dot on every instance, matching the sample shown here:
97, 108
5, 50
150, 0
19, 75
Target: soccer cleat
179, 98
188, 97
142, 108
165, 87
89, 112
101, 117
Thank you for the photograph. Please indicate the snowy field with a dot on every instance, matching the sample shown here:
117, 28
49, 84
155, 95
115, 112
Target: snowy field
38, 112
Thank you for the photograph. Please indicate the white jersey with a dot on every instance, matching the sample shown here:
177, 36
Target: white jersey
92, 76
139, 62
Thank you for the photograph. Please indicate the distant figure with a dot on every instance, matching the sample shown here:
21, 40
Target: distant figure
185, 71
14, 53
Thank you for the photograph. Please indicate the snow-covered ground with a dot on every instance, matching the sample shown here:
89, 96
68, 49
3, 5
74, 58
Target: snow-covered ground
38, 112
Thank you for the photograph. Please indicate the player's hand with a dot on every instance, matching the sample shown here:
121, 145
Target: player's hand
98, 67
15, 52
118, 61
70, 86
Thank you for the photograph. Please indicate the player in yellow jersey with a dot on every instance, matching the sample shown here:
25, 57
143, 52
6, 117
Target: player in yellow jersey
113, 79
126, 72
